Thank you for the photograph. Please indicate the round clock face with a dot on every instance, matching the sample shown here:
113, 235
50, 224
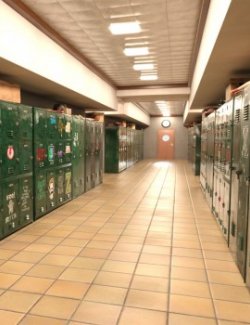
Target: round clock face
165, 123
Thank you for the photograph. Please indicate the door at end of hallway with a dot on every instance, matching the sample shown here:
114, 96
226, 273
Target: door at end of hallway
165, 144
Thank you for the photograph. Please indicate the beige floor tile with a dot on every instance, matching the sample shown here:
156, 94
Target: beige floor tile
66, 250
114, 279
10, 318
18, 301
142, 316
186, 244
117, 266
6, 280
101, 244
74, 242
96, 313
80, 275
152, 270
57, 307
87, 263
233, 311
105, 294
188, 252
150, 283
188, 273
81, 235
68, 289
152, 249
229, 278
191, 305
40, 248
38, 320
94, 252
46, 271
188, 262
215, 247
49, 240
55, 259
159, 259
178, 319
25, 238
31, 284
14, 267
13, 245
230, 293
124, 256
128, 247
29, 257
215, 255
190, 288
5, 254
147, 300
225, 322
224, 266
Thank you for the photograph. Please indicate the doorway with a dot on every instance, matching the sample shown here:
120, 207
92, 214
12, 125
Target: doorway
165, 144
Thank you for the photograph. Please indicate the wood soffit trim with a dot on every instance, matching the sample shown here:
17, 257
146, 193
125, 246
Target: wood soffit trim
34, 19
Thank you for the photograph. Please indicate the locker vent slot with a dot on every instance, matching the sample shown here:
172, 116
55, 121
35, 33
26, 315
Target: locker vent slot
246, 113
237, 116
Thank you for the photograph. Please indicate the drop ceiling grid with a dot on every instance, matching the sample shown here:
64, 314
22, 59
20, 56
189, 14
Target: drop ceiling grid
169, 25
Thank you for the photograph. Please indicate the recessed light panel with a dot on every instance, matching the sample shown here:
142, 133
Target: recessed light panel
132, 27
143, 66
149, 77
134, 51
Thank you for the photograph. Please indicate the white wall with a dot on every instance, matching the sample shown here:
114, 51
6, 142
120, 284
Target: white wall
23, 44
150, 137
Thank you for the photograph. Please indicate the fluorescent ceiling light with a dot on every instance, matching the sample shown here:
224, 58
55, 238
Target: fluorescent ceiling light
134, 51
149, 77
160, 101
131, 27
136, 43
145, 66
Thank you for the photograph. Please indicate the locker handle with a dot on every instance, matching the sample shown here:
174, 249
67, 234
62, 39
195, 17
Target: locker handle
241, 242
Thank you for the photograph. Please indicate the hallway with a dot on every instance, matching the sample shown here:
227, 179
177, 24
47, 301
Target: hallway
140, 249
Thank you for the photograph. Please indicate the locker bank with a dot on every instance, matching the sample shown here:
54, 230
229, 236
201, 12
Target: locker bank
124, 162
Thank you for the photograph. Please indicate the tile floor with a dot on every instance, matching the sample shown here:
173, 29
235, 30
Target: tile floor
142, 248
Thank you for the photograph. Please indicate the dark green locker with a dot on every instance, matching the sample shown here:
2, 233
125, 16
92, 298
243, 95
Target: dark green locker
67, 127
51, 198
60, 186
52, 124
51, 154
40, 124
243, 174
10, 158
26, 157
113, 156
40, 152
10, 221
40, 193
59, 152
60, 125
89, 155
10, 121
98, 153
78, 159
68, 182
25, 200
67, 151
25, 122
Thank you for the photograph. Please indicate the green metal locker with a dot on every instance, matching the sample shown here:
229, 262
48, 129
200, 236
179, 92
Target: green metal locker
78, 159
52, 124
10, 157
237, 103
26, 157
59, 152
51, 198
68, 183
113, 150
60, 186
90, 155
25, 122
40, 193
98, 153
25, 199
10, 221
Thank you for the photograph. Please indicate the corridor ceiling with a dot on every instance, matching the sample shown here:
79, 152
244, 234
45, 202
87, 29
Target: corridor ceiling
171, 29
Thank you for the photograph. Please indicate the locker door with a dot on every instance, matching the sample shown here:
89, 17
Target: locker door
40, 194
25, 200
